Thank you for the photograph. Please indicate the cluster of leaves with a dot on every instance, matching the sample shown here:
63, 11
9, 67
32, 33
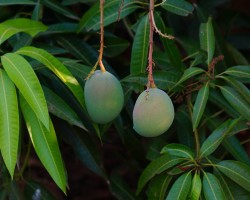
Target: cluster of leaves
48, 48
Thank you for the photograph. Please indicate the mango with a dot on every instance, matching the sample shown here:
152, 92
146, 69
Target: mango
153, 113
104, 97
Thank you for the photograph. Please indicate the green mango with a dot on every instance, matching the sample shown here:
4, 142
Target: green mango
104, 97
153, 113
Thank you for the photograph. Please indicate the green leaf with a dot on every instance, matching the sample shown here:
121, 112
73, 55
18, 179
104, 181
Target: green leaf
236, 171
91, 19
25, 79
212, 188
9, 122
61, 109
13, 26
200, 105
195, 190
155, 167
189, 73
178, 150
207, 41
241, 71
140, 46
16, 2
45, 144
236, 101
180, 188
216, 137
158, 186
179, 7
57, 7
57, 67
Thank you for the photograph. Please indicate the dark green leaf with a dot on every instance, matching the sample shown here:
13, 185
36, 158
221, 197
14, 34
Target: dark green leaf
200, 104
155, 167
178, 150
9, 122
207, 41
216, 137
139, 51
179, 7
241, 71
195, 190
180, 188
45, 144
25, 79
237, 171
212, 188
16, 2
236, 101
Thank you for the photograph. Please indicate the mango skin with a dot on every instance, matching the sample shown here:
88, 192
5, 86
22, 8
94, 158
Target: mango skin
152, 116
104, 97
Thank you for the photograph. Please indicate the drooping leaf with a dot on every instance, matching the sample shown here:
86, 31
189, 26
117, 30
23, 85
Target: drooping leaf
91, 19
178, 150
207, 41
16, 2
180, 188
211, 187
13, 26
61, 109
155, 167
140, 45
195, 190
216, 137
241, 71
57, 67
9, 122
179, 7
200, 104
25, 79
236, 171
236, 101
45, 144
158, 186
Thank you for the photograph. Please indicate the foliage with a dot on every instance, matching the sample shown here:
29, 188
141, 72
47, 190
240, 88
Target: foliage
49, 47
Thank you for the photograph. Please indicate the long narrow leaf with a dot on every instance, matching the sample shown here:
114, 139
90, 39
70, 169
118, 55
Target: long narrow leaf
139, 52
237, 171
9, 122
178, 150
25, 79
200, 104
14, 26
180, 189
57, 67
212, 188
179, 7
241, 71
16, 2
45, 144
195, 190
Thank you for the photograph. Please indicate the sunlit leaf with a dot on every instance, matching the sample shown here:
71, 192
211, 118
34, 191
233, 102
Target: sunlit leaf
196, 186
178, 150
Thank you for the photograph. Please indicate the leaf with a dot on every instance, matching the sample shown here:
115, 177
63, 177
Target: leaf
207, 40
158, 186
57, 7
236, 171
178, 150
200, 105
236, 101
216, 137
195, 190
9, 122
179, 7
61, 109
91, 19
45, 144
16, 2
155, 167
241, 71
140, 46
188, 73
212, 188
25, 79
180, 188
57, 67
13, 26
